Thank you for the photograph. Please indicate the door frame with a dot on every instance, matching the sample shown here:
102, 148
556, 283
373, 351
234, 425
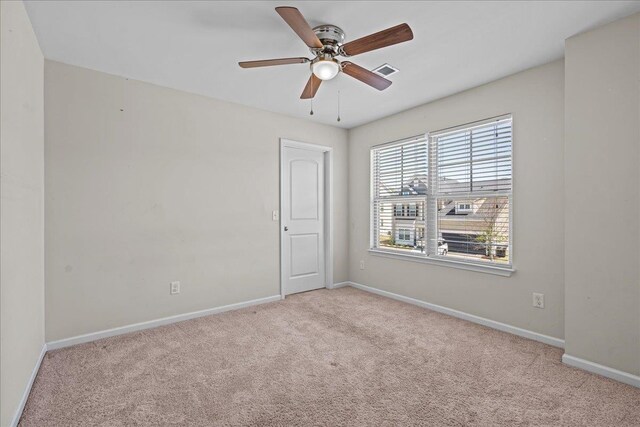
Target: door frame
328, 207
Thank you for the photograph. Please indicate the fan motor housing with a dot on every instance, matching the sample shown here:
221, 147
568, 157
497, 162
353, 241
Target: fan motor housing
329, 35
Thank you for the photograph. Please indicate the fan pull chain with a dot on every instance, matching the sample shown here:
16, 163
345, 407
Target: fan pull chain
311, 112
338, 106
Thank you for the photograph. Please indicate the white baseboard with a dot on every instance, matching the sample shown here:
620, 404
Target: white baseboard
556, 342
605, 371
340, 285
27, 390
80, 339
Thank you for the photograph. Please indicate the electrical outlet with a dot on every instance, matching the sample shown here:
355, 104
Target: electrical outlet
175, 288
275, 216
538, 300
361, 264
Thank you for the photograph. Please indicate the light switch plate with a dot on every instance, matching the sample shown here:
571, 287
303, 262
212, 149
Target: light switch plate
175, 288
275, 215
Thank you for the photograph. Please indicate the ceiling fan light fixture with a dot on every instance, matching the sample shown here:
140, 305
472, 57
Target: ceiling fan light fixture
326, 42
325, 69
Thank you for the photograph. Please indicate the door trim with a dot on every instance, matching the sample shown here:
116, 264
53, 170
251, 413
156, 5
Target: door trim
328, 207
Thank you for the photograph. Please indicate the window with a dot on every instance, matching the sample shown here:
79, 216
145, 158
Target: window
463, 208
404, 235
399, 190
453, 191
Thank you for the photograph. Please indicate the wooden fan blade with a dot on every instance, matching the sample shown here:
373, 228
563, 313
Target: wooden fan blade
311, 88
365, 76
296, 21
390, 36
269, 62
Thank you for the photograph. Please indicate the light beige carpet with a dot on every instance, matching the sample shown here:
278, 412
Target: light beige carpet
341, 357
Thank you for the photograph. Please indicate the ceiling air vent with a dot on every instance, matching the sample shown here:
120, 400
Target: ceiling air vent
385, 70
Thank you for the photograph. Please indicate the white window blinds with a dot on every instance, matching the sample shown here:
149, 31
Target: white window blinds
475, 159
401, 169
399, 189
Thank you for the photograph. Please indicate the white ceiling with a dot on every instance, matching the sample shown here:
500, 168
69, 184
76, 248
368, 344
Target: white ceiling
195, 46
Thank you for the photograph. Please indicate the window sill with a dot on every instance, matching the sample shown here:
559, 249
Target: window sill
441, 261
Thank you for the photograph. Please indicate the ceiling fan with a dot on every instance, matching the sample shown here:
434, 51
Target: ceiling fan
326, 43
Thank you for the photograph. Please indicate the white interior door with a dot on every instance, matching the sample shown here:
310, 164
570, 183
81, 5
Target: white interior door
303, 220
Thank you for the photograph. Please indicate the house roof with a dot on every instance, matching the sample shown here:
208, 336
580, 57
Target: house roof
482, 207
416, 187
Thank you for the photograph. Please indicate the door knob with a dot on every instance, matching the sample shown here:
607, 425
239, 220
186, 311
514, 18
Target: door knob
286, 228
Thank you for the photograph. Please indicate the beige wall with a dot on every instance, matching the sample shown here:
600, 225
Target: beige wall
602, 205
146, 185
535, 98
22, 206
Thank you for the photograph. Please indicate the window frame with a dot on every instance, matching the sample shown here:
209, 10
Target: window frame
430, 256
